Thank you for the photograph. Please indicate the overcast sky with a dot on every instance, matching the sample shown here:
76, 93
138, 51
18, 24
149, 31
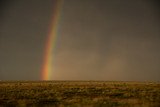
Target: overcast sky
97, 40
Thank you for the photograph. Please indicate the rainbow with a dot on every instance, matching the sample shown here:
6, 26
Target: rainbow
51, 41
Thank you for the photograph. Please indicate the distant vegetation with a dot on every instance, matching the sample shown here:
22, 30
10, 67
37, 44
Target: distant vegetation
79, 93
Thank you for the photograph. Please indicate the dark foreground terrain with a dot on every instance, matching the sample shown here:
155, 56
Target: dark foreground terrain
79, 94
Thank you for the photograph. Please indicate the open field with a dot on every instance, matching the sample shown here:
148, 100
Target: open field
79, 94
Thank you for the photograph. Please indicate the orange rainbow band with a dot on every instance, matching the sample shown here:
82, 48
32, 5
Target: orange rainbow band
51, 42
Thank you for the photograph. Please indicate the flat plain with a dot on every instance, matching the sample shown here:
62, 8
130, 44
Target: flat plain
79, 94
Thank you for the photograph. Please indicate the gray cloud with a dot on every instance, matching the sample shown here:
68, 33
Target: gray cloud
98, 40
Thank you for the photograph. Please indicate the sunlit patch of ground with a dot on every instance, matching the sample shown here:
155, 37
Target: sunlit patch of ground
79, 93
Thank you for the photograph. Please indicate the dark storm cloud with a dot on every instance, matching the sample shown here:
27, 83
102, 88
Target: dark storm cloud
24, 26
109, 40
98, 40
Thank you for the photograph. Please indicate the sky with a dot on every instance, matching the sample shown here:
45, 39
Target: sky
112, 40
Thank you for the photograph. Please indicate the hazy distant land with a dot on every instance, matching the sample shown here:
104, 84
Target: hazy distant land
79, 93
